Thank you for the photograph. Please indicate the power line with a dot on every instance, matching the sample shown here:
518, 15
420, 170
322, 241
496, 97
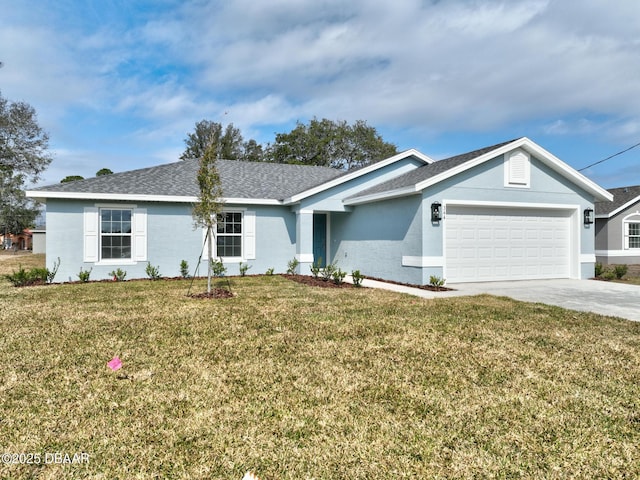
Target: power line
609, 158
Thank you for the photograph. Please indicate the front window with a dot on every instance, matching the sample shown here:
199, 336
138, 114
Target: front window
115, 233
229, 234
634, 235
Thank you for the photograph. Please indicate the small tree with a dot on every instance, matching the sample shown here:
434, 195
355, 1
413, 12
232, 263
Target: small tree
209, 205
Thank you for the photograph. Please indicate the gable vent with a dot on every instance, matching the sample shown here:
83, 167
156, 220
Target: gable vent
517, 169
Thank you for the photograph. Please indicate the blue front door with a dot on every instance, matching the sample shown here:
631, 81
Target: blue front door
320, 239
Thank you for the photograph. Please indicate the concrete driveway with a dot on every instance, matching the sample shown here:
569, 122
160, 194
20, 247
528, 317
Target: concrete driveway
605, 298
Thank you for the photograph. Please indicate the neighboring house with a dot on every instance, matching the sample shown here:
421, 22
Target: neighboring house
507, 212
618, 227
21, 241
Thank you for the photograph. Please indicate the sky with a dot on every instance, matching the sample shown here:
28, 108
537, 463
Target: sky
119, 84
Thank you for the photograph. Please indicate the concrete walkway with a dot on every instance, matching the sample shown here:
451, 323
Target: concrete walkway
605, 298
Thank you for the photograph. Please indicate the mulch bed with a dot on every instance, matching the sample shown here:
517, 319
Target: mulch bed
317, 282
215, 293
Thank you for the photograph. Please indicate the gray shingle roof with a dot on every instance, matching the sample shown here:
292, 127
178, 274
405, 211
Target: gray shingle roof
427, 171
621, 196
256, 180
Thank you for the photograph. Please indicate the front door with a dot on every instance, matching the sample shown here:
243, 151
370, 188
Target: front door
320, 239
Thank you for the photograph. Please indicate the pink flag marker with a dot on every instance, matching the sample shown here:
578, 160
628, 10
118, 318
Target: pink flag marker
115, 364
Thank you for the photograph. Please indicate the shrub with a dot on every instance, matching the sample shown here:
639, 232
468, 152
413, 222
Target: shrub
35, 276
357, 278
19, 278
84, 275
338, 276
269, 271
292, 266
608, 275
152, 272
599, 269
51, 274
38, 275
436, 282
243, 268
118, 275
316, 268
328, 271
620, 271
218, 269
184, 269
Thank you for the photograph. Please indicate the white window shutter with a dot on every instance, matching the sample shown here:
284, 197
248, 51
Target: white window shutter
249, 228
91, 234
140, 234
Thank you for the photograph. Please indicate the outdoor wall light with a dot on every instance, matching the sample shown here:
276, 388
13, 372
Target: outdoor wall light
436, 212
588, 216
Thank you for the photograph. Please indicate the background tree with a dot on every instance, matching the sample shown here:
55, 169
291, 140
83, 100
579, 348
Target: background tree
71, 178
331, 144
24, 155
103, 171
228, 141
209, 205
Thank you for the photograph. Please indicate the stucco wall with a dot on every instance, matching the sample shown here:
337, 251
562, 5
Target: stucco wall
610, 243
170, 239
374, 237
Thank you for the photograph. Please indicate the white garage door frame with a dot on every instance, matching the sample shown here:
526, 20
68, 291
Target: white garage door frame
572, 213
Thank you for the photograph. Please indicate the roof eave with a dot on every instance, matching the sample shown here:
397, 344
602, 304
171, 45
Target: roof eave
546, 157
375, 197
358, 173
44, 195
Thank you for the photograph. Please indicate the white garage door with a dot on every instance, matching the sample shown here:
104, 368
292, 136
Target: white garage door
488, 244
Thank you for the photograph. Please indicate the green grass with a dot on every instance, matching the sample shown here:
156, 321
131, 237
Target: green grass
298, 382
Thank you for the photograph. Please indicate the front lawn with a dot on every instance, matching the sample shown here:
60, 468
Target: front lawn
293, 381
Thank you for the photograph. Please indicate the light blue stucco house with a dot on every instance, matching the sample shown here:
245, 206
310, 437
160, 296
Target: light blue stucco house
507, 212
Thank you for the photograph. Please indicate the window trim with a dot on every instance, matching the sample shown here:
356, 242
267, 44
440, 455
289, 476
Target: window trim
92, 252
237, 235
102, 234
632, 219
248, 237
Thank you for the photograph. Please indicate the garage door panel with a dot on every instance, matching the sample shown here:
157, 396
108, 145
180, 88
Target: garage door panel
484, 243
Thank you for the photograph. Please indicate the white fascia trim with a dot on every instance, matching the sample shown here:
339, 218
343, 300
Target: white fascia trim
619, 253
358, 173
411, 261
374, 197
41, 195
534, 149
587, 258
480, 203
620, 209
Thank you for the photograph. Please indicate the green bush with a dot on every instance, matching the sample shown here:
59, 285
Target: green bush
84, 275
357, 278
118, 275
599, 269
620, 271
316, 268
20, 278
338, 276
327, 272
436, 282
608, 275
292, 266
218, 269
184, 269
243, 267
269, 271
35, 276
152, 272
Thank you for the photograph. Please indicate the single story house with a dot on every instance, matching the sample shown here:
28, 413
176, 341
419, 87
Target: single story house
618, 227
507, 212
